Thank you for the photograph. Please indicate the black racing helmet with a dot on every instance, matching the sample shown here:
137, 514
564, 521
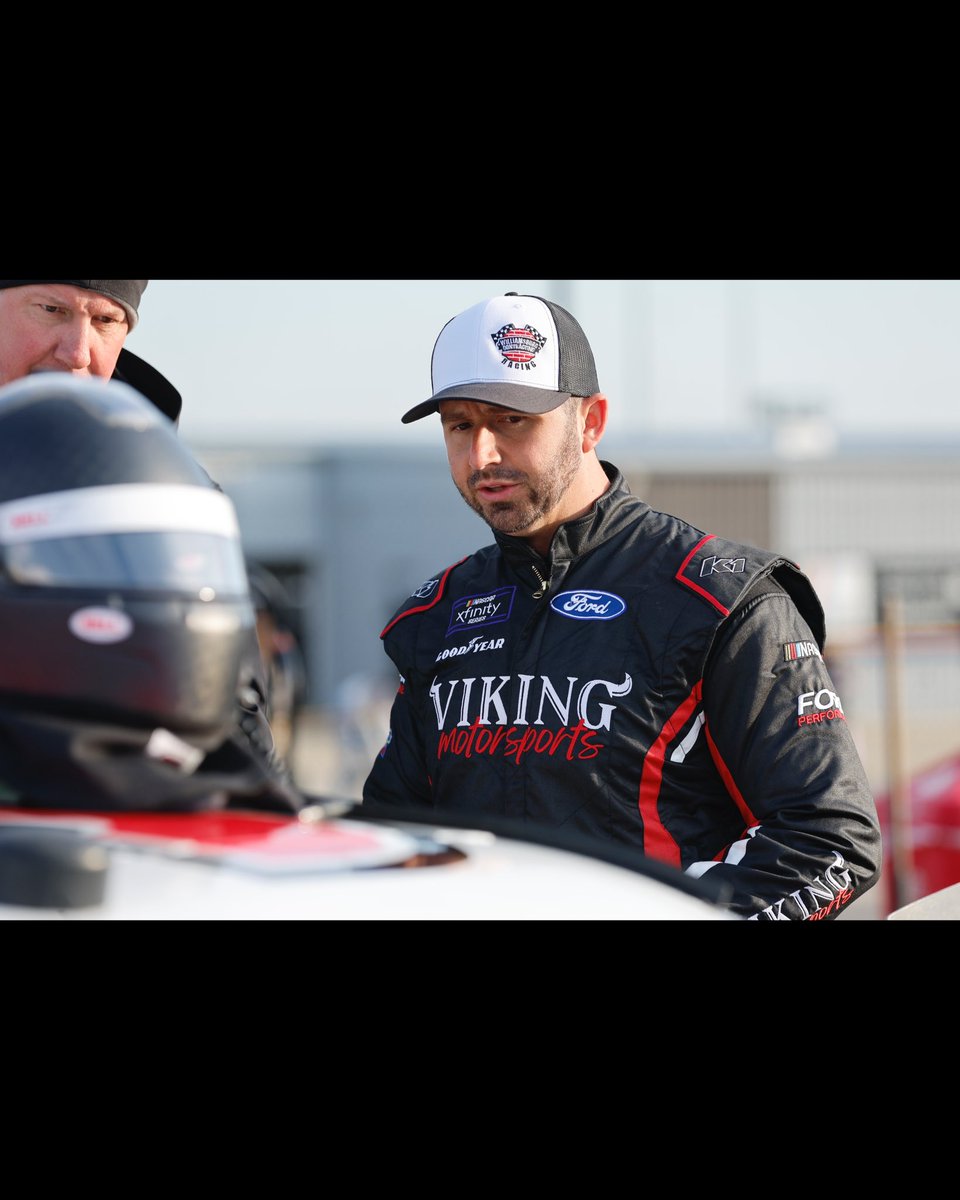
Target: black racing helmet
124, 597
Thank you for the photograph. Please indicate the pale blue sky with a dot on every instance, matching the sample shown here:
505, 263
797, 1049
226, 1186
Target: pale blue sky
313, 361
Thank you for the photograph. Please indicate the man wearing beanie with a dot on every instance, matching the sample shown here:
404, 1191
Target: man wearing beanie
605, 671
79, 326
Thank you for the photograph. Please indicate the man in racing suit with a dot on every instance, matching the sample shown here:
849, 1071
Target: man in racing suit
609, 669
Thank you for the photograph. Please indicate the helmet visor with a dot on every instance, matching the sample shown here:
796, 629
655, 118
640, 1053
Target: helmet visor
138, 537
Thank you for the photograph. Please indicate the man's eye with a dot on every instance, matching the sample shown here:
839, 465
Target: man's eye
50, 308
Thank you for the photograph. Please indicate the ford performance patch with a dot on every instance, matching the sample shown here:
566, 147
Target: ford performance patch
485, 608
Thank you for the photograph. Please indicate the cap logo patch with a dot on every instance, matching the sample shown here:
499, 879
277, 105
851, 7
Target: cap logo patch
519, 347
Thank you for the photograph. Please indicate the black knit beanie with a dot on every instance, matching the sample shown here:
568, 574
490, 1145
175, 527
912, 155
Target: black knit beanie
126, 292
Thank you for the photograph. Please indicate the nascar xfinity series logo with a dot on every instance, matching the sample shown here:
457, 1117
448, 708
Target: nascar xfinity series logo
490, 608
588, 606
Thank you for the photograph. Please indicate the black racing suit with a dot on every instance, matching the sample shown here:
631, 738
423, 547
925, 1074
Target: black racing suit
665, 689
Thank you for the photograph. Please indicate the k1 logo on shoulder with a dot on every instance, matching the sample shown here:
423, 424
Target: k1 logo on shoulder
733, 566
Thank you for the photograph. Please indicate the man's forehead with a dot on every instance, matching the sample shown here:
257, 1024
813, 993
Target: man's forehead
69, 295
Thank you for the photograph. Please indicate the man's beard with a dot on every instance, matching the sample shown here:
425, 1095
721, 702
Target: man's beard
544, 493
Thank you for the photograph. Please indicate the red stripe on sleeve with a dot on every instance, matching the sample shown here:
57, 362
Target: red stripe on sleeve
748, 818
657, 842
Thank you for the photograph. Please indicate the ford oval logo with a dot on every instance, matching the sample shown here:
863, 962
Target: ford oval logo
588, 606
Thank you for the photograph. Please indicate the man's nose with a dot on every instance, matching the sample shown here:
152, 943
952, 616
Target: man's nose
73, 346
483, 449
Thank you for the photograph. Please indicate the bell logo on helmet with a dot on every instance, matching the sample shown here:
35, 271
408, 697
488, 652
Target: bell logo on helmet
100, 625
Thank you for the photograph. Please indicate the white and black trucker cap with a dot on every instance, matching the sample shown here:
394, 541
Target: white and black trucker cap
522, 352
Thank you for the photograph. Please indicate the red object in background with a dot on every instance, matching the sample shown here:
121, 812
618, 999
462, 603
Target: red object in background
934, 830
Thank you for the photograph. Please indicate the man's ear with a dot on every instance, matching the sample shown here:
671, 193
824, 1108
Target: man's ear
594, 411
